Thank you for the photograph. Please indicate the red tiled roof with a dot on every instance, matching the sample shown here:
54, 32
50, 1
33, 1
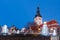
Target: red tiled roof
52, 23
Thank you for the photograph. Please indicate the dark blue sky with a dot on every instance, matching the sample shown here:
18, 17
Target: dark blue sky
19, 12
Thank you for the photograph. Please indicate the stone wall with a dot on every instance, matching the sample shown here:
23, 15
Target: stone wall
26, 37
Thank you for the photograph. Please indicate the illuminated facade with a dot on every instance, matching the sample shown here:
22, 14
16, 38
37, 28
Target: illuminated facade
38, 24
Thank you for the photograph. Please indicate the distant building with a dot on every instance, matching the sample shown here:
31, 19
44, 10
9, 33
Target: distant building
5, 29
13, 30
38, 17
37, 27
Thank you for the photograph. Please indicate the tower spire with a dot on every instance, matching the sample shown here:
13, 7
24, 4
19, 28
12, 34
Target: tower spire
38, 12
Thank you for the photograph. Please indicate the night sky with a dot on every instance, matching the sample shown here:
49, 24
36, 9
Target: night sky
20, 12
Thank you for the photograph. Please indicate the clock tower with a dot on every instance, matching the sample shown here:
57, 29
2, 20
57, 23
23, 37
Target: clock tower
38, 17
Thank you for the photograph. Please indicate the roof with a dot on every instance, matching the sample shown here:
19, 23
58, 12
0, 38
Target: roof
52, 23
38, 13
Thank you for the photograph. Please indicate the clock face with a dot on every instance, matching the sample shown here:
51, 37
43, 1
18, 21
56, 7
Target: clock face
38, 20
